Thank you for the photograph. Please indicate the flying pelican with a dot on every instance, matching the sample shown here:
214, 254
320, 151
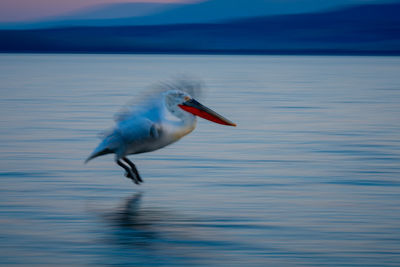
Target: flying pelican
159, 122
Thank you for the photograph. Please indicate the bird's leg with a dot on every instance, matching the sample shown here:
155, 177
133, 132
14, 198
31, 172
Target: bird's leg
134, 169
131, 175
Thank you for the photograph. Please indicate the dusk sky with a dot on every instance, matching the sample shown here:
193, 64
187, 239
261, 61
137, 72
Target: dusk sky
17, 10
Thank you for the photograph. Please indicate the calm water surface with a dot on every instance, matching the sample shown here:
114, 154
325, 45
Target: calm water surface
311, 175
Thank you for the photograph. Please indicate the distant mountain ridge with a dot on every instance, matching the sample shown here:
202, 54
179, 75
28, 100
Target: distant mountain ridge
210, 11
365, 29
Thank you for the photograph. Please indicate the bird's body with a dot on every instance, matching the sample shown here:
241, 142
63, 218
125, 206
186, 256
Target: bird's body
158, 122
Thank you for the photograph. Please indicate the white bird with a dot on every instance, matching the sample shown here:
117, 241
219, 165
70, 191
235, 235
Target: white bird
159, 122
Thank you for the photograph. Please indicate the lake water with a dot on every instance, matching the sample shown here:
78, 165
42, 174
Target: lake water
311, 175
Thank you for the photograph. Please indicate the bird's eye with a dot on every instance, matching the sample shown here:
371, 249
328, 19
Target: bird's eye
187, 98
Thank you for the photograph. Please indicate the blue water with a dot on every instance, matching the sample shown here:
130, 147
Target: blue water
310, 177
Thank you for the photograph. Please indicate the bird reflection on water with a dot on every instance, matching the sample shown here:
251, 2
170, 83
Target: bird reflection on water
154, 230
132, 225
154, 236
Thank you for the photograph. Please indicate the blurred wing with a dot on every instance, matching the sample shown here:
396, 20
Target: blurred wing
150, 104
137, 130
151, 108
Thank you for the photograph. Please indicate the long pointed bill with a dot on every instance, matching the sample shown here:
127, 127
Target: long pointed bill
198, 109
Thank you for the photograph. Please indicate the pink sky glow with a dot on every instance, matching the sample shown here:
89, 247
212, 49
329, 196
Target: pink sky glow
20, 10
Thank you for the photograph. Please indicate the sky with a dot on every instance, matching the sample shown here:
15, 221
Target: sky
31, 10
19, 10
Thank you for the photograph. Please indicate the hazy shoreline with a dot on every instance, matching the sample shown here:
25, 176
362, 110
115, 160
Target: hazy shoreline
230, 53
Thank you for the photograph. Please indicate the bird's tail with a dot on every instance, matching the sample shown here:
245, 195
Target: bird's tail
96, 153
107, 146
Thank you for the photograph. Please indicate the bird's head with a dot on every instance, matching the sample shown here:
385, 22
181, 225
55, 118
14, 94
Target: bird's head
177, 98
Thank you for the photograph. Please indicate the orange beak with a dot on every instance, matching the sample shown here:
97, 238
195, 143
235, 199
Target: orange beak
198, 109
